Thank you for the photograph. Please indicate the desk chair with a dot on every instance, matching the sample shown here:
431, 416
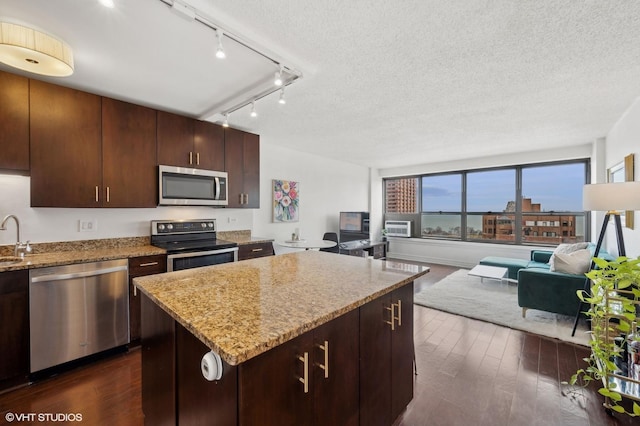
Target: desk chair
331, 236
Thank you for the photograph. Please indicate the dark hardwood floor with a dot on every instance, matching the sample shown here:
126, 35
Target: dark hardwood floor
469, 373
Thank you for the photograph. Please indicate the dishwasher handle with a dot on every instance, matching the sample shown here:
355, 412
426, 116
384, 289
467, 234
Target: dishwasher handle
83, 274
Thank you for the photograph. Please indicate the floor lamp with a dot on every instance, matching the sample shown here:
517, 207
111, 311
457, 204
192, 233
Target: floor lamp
613, 198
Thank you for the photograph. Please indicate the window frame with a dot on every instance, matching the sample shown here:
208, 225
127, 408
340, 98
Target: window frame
465, 215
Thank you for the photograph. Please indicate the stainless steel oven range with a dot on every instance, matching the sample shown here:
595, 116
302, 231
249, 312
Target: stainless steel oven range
191, 243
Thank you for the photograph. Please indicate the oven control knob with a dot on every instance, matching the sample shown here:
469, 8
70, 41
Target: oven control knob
161, 227
203, 225
210, 224
169, 227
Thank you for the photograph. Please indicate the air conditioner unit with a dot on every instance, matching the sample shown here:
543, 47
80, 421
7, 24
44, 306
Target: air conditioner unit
398, 228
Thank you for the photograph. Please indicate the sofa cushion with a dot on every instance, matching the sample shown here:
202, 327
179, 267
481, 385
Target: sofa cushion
533, 264
577, 262
565, 249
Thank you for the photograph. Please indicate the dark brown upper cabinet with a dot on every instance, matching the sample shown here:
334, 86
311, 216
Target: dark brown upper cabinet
128, 155
186, 142
242, 163
14, 122
66, 157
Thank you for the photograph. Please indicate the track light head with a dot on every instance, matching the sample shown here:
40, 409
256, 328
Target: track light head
225, 123
253, 113
220, 54
278, 77
282, 100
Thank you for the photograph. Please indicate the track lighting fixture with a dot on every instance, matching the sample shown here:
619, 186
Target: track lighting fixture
226, 120
282, 100
278, 78
253, 114
220, 51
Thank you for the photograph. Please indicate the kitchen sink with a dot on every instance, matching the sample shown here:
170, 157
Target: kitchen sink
9, 260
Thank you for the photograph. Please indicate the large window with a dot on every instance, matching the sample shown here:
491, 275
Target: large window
536, 204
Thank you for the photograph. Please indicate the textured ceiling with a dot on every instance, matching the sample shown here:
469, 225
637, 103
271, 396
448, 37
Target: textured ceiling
385, 84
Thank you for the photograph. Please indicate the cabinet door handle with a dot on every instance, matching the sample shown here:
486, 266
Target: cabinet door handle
246, 198
148, 264
325, 366
135, 291
393, 316
399, 317
108, 194
241, 198
305, 380
198, 158
257, 249
97, 193
190, 157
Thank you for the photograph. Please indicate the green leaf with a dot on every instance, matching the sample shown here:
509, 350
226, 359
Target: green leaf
617, 409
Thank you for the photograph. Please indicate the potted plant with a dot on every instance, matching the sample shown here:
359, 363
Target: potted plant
384, 234
614, 298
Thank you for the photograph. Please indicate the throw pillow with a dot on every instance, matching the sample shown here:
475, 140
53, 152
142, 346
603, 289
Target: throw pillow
576, 263
565, 249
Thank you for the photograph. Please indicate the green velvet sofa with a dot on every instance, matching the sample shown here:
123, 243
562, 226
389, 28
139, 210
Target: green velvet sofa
539, 287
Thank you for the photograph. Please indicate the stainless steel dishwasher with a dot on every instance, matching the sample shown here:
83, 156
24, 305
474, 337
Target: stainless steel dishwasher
77, 310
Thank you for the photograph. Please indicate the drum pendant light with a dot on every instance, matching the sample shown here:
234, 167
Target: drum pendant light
34, 51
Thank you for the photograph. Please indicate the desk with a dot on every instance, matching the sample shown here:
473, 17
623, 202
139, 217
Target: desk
363, 248
307, 244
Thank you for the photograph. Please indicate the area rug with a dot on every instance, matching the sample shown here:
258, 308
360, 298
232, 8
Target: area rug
496, 302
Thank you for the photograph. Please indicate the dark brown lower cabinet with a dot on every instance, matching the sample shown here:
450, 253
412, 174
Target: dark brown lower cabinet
158, 364
354, 370
14, 328
386, 357
201, 402
312, 379
138, 267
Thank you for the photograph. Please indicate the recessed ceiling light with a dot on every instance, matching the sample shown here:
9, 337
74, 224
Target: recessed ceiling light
107, 3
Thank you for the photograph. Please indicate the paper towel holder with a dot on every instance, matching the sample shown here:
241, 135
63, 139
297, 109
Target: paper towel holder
211, 366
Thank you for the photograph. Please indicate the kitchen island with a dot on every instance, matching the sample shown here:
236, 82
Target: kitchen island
303, 338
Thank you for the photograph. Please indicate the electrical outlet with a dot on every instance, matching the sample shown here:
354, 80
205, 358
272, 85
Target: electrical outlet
232, 219
87, 225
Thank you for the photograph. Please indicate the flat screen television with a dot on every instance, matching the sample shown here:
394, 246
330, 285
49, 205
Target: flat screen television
354, 222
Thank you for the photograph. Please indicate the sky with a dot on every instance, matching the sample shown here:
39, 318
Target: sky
556, 187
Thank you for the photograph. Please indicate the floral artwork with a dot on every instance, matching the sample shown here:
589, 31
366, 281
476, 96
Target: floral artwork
286, 198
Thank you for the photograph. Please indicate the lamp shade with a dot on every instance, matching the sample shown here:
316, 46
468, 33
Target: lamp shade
30, 50
611, 196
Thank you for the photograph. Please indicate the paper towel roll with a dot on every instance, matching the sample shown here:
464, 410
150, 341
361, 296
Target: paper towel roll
211, 366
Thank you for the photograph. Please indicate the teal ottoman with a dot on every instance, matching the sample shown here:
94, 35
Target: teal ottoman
512, 265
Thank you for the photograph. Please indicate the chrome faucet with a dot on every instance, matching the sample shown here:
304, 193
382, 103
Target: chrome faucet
20, 249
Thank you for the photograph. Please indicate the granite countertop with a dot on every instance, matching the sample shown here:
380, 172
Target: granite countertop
243, 309
69, 257
83, 251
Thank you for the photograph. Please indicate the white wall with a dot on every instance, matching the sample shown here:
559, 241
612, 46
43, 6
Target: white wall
59, 224
326, 188
624, 139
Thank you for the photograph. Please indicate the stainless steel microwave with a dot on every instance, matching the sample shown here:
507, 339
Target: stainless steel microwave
183, 186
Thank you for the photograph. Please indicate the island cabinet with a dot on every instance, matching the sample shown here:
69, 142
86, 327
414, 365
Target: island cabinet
313, 379
14, 122
242, 163
14, 328
386, 356
186, 142
139, 267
